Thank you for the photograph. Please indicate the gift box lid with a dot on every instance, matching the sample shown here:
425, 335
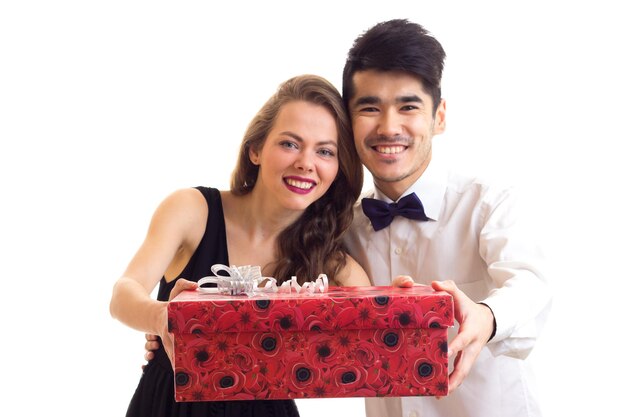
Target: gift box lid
340, 308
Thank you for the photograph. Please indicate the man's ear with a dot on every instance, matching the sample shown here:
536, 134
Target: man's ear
440, 118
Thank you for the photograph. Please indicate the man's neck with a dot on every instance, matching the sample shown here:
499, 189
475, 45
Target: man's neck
395, 189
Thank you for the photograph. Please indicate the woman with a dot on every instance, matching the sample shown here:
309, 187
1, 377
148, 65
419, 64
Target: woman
292, 192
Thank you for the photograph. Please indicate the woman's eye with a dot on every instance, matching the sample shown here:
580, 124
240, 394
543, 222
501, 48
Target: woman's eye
326, 152
289, 145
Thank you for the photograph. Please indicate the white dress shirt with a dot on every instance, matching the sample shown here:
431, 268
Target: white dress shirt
476, 239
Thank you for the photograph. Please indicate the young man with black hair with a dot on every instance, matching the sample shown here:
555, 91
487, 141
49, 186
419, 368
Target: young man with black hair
426, 223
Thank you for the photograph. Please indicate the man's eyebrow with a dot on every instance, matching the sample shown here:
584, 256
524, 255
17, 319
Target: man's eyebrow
412, 98
367, 100
409, 99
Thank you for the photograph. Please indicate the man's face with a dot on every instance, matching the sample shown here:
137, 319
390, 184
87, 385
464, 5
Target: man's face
393, 122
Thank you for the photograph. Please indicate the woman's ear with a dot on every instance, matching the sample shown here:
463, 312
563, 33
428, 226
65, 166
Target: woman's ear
254, 156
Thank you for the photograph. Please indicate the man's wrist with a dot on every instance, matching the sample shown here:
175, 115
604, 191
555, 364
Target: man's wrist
493, 332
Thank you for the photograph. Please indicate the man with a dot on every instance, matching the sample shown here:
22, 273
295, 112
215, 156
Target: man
461, 232
464, 234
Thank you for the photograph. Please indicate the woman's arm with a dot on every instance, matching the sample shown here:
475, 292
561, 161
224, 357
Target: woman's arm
174, 228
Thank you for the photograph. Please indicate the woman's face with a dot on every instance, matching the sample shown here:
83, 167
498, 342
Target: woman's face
298, 161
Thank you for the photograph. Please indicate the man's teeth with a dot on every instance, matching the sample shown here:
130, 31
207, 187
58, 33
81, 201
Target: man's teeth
299, 184
390, 149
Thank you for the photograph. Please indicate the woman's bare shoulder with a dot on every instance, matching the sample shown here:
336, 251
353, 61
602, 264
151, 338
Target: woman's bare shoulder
184, 211
352, 274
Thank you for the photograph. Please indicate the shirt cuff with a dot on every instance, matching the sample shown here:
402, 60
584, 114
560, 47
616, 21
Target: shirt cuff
493, 333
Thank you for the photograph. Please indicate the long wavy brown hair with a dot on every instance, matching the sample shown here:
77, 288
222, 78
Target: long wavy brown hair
312, 244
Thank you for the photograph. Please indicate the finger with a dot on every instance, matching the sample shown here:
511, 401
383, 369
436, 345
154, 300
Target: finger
148, 356
168, 345
461, 370
447, 286
451, 288
182, 285
460, 342
402, 281
462, 303
455, 378
462, 365
151, 336
151, 345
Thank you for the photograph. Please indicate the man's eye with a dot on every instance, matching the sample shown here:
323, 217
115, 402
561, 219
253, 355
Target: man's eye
368, 109
409, 107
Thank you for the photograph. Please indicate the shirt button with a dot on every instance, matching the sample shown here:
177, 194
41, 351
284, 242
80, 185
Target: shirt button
398, 251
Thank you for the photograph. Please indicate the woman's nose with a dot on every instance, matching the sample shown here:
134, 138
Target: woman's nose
304, 162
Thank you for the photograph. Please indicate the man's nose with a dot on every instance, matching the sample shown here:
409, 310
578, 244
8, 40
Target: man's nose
389, 124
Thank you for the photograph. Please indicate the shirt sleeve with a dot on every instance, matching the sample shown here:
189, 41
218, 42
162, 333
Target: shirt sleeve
520, 297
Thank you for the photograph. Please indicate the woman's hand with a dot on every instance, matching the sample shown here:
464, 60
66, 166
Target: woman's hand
404, 281
182, 285
152, 342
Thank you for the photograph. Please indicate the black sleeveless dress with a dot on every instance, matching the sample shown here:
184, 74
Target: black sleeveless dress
155, 393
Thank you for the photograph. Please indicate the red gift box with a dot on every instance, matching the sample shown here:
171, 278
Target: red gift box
347, 342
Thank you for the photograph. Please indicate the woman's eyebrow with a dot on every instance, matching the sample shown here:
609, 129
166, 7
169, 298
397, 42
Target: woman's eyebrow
299, 139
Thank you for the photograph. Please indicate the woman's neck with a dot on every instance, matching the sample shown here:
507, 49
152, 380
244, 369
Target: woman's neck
260, 218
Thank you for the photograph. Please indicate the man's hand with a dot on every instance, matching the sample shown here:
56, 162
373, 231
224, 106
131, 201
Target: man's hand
151, 345
475, 327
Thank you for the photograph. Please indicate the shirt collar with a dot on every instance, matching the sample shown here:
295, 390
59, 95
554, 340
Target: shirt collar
430, 188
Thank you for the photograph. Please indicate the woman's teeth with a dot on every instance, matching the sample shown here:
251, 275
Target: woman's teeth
305, 185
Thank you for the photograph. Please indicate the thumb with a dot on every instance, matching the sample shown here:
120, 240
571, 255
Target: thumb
460, 300
447, 286
402, 281
182, 285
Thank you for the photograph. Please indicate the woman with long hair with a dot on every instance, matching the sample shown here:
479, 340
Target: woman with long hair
291, 198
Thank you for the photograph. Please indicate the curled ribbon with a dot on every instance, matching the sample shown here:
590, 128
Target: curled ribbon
246, 280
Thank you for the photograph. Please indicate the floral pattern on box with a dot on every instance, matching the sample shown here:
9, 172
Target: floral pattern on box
348, 342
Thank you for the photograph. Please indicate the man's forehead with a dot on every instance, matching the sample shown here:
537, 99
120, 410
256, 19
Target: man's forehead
397, 86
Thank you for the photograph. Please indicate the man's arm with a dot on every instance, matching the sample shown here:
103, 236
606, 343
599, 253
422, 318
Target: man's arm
520, 298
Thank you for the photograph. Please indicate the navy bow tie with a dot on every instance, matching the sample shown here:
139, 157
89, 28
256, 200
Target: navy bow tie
381, 214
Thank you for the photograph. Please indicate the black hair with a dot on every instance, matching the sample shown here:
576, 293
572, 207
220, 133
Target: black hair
397, 45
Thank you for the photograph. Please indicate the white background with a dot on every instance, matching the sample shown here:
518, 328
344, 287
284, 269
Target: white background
107, 107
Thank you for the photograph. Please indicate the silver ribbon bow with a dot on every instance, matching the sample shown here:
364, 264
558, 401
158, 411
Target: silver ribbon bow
246, 280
